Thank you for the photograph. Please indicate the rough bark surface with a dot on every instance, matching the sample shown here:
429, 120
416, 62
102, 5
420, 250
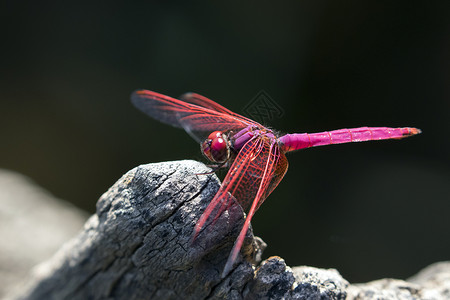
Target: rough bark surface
138, 246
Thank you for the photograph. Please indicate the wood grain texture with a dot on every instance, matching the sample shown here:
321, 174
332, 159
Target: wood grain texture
138, 246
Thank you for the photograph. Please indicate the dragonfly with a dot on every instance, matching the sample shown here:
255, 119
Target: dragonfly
254, 154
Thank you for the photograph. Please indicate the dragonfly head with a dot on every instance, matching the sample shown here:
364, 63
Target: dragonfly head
216, 147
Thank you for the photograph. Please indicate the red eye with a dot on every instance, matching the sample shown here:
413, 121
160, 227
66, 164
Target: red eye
214, 134
215, 147
219, 149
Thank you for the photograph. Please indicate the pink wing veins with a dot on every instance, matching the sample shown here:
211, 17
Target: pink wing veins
198, 121
256, 171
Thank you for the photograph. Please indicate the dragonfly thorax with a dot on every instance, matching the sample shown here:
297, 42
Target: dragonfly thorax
216, 147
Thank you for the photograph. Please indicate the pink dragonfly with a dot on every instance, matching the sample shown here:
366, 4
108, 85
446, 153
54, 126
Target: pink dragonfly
254, 154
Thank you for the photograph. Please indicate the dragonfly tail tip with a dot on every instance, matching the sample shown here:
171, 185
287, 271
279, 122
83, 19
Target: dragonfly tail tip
416, 131
410, 131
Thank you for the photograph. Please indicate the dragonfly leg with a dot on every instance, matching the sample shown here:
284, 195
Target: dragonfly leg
214, 168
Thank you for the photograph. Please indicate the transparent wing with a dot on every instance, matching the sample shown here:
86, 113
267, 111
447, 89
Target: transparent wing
256, 171
199, 118
208, 103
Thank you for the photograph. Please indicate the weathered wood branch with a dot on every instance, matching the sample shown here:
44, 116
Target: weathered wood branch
138, 246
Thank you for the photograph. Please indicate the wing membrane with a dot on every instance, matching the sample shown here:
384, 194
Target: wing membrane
208, 103
198, 119
255, 173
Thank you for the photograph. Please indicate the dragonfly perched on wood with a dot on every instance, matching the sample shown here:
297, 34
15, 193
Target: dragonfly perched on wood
254, 154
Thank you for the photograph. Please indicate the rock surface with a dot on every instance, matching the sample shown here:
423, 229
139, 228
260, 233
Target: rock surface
33, 226
138, 246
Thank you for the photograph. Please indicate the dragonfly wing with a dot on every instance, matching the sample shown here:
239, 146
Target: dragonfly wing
200, 100
223, 199
274, 166
256, 171
208, 103
198, 121
278, 174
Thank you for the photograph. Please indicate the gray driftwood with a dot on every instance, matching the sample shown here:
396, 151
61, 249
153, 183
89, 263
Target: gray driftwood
138, 246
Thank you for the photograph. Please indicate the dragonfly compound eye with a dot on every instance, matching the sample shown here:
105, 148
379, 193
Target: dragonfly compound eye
215, 147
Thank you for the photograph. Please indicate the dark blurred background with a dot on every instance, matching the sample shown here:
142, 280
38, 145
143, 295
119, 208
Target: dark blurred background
370, 210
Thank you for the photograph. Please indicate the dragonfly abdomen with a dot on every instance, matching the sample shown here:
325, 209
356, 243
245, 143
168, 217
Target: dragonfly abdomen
296, 141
